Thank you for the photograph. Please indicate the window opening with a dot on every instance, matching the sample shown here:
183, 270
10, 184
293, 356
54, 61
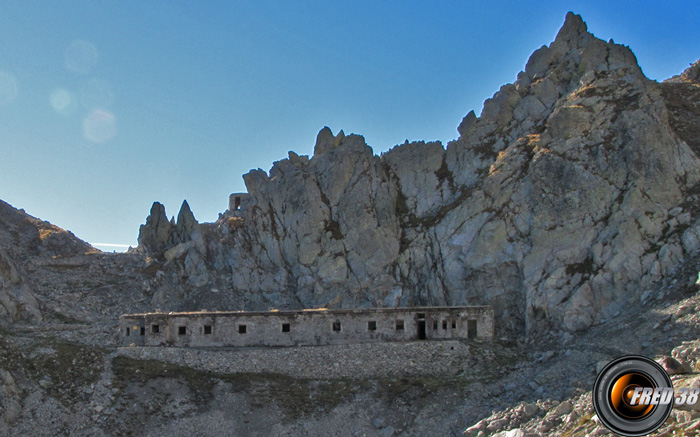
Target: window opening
182, 330
336, 326
242, 329
155, 329
372, 325
399, 325
207, 329
286, 327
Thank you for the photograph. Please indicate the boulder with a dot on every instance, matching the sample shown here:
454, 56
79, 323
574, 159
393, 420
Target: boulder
673, 366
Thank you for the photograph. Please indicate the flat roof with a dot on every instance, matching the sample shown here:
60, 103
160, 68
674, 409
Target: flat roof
205, 313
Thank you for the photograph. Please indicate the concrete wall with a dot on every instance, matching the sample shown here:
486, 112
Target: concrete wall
132, 330
301, 328
236, 201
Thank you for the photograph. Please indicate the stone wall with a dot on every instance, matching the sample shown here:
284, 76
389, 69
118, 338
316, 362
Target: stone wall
307, 327
236, 201
355, 361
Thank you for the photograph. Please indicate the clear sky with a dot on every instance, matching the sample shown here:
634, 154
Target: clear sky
107, 106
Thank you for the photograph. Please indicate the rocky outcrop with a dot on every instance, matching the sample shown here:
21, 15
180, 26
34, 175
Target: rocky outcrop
159, 234
24, 238
9, 398
683, 102
574, 176
16, 299
186, 223
23, 235
570, 196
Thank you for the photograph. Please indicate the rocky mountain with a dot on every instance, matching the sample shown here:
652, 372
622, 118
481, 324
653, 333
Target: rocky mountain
24, 238
570, 206
568, 198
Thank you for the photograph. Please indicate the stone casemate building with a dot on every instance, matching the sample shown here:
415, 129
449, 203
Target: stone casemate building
305, 327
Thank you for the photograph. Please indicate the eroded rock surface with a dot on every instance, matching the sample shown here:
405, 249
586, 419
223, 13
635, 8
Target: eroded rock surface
22, 238
566, 199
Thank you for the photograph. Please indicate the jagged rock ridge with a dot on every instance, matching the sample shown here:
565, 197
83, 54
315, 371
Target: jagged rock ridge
569, 196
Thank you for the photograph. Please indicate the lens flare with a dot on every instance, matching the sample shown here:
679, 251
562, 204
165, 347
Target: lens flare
63, 101
8, 88
81, 56
100, 126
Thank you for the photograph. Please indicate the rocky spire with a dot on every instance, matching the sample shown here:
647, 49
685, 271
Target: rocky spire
186, 223
157, 233
692, 73
573, 28
326, 141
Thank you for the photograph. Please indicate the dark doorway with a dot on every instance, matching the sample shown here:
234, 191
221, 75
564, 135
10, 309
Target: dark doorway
421, 329
471, 329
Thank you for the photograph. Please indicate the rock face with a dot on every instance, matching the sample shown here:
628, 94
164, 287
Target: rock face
23, 237
159, 234
16, 299
568, 197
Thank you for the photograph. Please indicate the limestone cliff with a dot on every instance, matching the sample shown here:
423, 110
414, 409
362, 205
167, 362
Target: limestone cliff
569, 197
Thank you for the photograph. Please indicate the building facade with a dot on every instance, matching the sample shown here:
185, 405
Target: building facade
305, 327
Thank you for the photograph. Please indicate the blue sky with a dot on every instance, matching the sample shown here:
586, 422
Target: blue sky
107, 106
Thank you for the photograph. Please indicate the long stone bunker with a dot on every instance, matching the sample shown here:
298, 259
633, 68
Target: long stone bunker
305, 327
